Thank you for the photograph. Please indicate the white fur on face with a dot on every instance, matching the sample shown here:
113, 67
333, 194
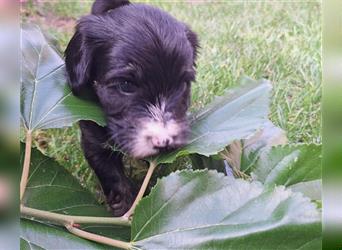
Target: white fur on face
154, 132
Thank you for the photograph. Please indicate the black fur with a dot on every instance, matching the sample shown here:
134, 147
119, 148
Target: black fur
127, 56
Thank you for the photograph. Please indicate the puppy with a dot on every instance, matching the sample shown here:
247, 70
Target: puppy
138, 63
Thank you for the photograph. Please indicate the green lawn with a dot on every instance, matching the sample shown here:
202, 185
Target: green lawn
280, 41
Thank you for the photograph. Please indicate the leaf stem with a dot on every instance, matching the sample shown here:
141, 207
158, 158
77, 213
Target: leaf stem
26, 164
97, 238
62, 219
142, 190
237, 172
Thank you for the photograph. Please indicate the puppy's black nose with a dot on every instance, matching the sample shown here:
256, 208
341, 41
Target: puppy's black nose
161, 143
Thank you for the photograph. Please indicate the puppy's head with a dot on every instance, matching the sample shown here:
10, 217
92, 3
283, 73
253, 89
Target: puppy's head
140, 62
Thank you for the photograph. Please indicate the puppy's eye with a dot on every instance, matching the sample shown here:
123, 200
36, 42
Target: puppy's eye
126, 87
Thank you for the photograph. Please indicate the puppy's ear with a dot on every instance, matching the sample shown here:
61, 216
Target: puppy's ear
91, 32
102, 6
78, 61
192, 37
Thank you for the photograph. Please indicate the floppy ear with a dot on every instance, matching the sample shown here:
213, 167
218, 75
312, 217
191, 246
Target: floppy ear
91, 32
192, 37
78, 61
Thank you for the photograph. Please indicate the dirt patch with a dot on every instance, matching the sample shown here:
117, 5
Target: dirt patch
46, 20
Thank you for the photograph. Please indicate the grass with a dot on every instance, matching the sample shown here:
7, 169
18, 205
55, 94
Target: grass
280, 41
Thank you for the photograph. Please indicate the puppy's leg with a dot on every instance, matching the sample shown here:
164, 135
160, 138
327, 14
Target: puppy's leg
108, 166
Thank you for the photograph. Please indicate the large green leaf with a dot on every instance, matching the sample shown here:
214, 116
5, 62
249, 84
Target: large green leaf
295, 166
50, 187
207, 210
46, 99
242, 154
39, 236
252, 148
236, 115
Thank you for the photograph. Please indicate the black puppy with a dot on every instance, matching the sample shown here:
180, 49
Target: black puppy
139, 62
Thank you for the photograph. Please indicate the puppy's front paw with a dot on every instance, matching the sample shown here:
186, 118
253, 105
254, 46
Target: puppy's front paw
120, 200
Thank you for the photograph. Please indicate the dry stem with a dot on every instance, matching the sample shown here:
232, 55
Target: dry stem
62, 219
26, 165
97, 238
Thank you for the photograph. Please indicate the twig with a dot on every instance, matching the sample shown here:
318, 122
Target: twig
97, 238
62, 219
26, 164
142, 190
237, 172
